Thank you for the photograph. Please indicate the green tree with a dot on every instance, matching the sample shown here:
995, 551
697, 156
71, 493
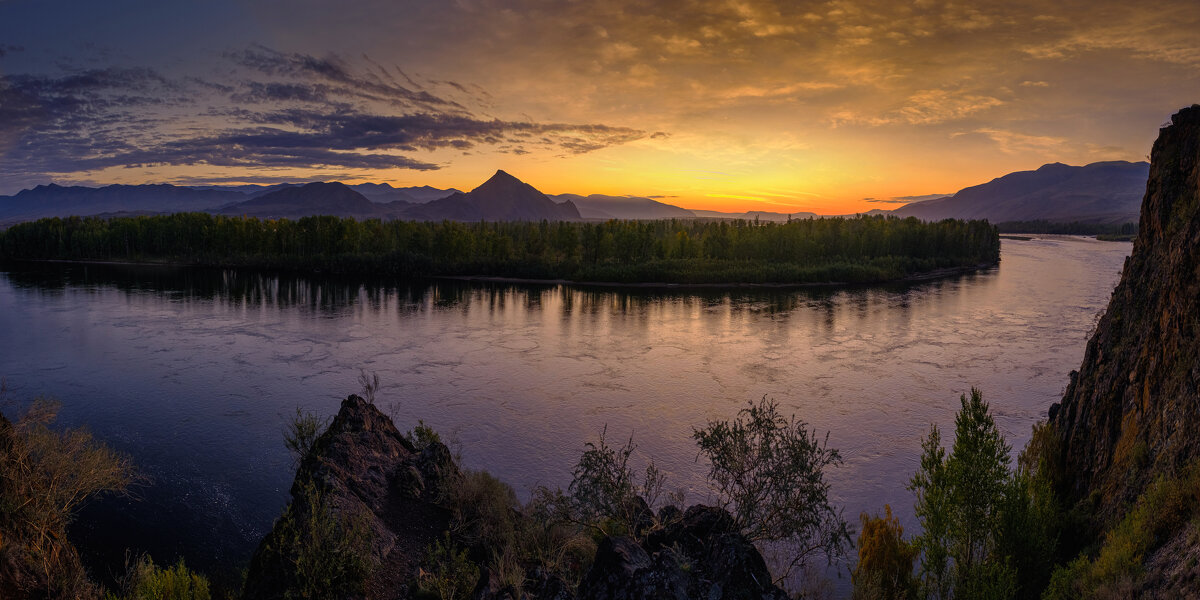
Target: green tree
988, 531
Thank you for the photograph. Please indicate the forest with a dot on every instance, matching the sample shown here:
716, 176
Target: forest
852, 250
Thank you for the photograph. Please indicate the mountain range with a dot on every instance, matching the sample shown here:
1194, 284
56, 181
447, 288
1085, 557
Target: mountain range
1105, 192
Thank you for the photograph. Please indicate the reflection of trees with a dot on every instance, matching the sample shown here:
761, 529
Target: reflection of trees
333, 294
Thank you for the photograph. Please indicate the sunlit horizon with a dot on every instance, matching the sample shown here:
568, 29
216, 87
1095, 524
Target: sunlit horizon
827, 107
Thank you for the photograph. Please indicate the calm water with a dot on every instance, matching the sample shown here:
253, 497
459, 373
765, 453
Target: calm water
194, 373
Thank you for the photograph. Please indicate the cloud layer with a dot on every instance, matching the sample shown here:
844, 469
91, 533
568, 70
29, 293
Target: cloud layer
274, 110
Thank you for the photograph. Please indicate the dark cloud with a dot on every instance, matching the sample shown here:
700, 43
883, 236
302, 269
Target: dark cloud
7, 48
371, 85
277, 111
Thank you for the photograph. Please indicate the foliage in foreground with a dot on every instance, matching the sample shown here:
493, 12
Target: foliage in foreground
45, 476
768, 471
148, 581
988, 530
447, 574
885, 560
1165, 508
319, 550
862, 249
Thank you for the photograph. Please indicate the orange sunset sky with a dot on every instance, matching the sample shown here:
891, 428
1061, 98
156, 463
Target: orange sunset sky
829, 107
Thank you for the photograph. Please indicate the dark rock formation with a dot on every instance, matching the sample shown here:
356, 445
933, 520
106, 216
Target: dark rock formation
698, 555
363, 466
1132, 408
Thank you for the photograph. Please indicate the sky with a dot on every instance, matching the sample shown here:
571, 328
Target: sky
784, 106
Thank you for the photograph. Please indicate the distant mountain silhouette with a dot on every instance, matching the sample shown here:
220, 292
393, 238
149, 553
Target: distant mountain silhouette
597, 206
755, 214
1103, 192
62, 201
501, 198
336, 199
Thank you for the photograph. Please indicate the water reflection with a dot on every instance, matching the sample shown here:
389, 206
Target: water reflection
194, 371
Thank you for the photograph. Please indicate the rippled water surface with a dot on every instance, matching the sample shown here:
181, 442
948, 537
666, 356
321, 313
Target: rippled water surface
194, 372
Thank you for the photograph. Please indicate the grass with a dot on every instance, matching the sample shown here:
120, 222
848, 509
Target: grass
1162, 510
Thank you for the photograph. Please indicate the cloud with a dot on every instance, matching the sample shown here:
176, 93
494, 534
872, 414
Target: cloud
924, 107
1011, 142
277, 110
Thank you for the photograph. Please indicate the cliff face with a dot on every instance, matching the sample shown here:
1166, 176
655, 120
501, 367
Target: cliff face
1133, 408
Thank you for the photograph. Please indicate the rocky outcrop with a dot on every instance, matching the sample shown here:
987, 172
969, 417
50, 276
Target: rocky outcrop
1133, 407
387, 498
368, 474
698, 555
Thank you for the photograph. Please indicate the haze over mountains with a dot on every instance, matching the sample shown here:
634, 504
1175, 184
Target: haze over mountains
1103, 192
1106, 192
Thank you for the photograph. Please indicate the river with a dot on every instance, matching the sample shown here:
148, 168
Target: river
194, 372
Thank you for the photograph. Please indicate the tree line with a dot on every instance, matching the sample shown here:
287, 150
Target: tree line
862, 249
1072, 228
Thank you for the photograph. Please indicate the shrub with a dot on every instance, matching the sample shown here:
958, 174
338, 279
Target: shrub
325, 553
1164, 508
147, 581
769, 472
885, 560
550, 538
604, 493
448, 574
483, 510
301, 433
45, 476
370, 385
422, 435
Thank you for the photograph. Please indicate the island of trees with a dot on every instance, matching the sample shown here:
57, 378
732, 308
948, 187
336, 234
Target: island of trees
852, 250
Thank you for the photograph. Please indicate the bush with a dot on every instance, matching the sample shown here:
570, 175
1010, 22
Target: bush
550, 538
769, 472
422, 435
483, 510
1163, 509
604, 493
885, 560
45, 476
147, 581
324, 554
448, 574
301, 433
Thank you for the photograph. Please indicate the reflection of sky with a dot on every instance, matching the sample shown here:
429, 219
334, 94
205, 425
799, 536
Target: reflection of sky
754, 104
194, 371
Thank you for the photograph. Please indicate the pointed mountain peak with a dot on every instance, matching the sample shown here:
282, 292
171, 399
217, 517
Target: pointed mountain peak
502, 182
502, 177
